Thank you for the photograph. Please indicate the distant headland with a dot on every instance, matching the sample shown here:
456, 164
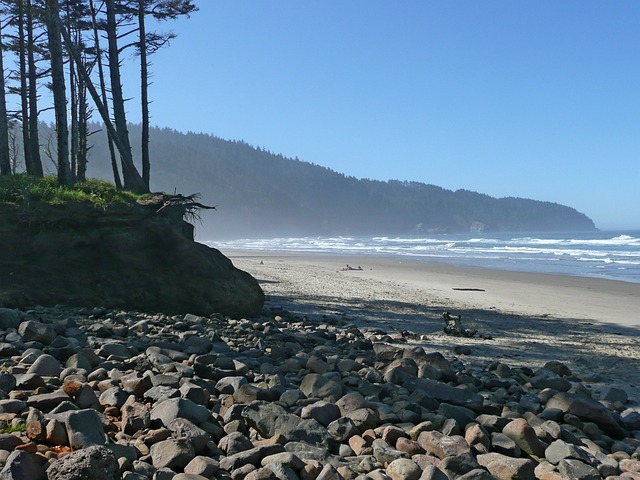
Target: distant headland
260, 194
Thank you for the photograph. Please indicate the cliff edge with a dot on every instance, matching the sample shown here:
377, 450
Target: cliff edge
135, 255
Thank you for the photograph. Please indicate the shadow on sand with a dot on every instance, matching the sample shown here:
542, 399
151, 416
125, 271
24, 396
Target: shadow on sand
598, 353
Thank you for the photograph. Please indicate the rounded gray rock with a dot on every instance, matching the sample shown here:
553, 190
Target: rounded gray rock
84, 429
9, 318
172, 453
45, 366
174, 408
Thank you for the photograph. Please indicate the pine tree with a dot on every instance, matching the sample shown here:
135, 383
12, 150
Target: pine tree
5, 157
59, 91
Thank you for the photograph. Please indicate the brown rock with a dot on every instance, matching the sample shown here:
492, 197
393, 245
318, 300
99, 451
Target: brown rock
507, 468
35, 425
476, 435
29, 447
410, 446
56, 433
524, 437
311, 470
357, 444
424, 460
135, 417
350, 402
403, 469
440, 445
587, 409
263, 473
630, 466
391, 434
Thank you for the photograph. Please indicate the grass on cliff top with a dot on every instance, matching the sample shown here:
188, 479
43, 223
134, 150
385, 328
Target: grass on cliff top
24, 189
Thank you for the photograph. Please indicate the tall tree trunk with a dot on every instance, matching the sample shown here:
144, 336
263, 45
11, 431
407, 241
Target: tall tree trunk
144, 84
5, 157
34, 137
137, 184
73, 106
58, 89
103, 92
24, 90
83, 133
119, 114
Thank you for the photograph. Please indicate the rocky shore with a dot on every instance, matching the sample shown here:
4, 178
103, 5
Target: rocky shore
103, 394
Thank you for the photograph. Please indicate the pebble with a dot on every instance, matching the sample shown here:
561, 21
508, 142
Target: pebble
113, 394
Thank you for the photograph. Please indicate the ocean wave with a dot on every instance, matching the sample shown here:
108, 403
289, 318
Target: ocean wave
620, 240
611, 256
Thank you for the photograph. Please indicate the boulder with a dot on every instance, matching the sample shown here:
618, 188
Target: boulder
33, 331
385, 453
444, 393
351, 401
441, 446
168, 410
202, 465
587, 409
560, 450
323, 412
502, 466
404, 469
7, 381
96, 463
45, 366
252, 456
524, 437
84, 429
234, 443
317, 386
47, 401
35, 425
9, 318
173, 453
270, 420
135, 417
9, 441
22, 466
578, 470
183, 428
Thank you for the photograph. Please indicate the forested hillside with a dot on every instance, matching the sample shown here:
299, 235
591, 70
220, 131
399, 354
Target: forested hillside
260, 194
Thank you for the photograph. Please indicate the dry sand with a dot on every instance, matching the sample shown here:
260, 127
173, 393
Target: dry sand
591, 325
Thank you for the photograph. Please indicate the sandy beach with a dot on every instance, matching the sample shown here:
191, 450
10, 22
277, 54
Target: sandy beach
592, 325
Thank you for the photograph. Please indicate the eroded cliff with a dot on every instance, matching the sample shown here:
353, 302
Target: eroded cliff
139, 255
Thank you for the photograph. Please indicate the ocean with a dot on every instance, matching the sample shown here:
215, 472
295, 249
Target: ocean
613, 255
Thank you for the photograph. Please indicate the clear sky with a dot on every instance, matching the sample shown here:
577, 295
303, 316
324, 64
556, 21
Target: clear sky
530, 99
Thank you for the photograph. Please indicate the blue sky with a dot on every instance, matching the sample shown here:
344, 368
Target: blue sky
530, 99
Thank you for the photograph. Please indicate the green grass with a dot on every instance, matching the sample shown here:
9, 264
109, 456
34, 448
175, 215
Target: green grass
24, 189
8, 428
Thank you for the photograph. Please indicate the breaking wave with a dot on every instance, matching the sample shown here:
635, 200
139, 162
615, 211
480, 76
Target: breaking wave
611, 255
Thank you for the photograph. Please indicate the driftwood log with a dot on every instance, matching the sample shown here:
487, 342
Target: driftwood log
453, 326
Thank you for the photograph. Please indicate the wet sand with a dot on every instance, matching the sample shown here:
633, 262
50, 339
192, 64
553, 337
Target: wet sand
592, 325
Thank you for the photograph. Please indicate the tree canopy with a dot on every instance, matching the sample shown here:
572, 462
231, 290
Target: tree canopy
66, 55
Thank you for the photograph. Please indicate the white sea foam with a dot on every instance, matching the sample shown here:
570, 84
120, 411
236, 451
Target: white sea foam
599, 254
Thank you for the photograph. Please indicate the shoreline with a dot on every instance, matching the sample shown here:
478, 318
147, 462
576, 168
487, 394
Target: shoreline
593, 325
522, 293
